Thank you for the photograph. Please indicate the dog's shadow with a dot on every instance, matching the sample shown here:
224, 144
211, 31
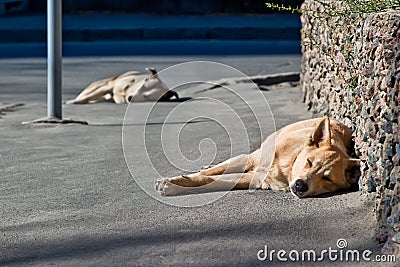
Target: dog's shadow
181, 99
354, 188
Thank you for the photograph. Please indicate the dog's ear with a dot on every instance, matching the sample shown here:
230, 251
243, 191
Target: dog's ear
353, 171
152, 71
321, 134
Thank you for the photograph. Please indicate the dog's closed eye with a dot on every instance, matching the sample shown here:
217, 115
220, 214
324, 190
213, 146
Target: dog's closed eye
309, 163
326, 178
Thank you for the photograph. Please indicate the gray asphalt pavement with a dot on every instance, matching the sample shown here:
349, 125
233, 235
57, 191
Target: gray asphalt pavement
68, 199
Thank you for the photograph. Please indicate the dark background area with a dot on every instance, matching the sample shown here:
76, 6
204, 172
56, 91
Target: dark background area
164, 6
142, 27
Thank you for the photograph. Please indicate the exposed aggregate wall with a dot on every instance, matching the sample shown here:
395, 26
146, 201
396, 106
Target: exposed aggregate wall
351, 72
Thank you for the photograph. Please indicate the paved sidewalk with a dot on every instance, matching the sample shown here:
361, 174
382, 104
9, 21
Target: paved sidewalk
68, 199
131, 27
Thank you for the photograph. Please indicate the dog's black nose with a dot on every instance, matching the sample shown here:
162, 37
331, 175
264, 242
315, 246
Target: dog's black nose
301, 186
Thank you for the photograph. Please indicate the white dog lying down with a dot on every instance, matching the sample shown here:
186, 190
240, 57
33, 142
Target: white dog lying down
132, 86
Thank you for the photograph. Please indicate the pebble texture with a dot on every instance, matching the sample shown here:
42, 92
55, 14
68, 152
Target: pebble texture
351, 72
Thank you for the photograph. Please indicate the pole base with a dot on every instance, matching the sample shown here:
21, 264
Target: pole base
52, 120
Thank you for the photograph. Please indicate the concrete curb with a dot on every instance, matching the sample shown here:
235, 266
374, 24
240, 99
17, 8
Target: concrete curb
273, 78
260, 80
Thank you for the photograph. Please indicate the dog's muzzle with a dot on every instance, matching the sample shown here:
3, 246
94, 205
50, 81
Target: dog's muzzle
299, 188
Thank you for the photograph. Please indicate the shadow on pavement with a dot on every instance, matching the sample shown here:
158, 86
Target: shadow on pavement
165, 239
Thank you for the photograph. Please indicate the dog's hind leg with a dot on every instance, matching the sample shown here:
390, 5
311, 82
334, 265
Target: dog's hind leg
238, 164
197, 183
95, 92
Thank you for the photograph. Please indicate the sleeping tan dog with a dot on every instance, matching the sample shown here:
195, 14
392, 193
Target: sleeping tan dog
311, 158
132, 86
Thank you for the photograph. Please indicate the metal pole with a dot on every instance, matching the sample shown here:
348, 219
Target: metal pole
54, 58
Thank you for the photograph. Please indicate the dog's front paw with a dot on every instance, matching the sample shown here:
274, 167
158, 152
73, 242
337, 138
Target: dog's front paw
162, 185
166, 188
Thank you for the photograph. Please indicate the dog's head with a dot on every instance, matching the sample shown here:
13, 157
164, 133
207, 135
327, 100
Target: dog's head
322, 166
150, 88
